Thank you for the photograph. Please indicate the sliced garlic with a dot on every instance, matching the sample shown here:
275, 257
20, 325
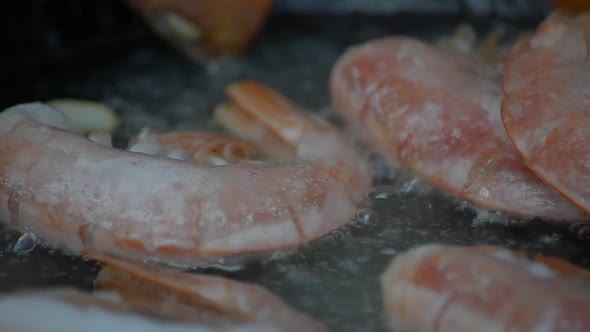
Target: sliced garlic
180, 28
86, 116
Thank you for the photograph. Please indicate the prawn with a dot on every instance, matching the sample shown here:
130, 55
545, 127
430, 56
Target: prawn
130, 294
437, 112
546, 110
484, 288
79, 195
204, 28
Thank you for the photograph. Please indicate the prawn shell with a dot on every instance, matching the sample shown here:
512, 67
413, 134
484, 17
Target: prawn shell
484, 288
194, 297
546, 110
69, 309
438, 113
75, 194
221, 27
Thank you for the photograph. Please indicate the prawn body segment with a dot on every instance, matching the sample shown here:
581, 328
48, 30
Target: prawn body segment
316, 141
546, 110
483, 288
76, 194
131, 296
438, 113
205, 299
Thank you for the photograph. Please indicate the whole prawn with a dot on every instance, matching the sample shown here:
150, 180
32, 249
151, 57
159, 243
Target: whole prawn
484, 288
79, 195
437, 112
546, 110
131, 295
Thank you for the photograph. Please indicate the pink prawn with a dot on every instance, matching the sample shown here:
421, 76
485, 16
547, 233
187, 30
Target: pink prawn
546, 110
79, 195
484, 288
437, 113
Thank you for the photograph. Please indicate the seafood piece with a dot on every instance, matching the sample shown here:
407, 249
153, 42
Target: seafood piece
75, 194
201, 148
67, 309
184, 296
206, 28
484, 288
235, 120
546, 110
140, 297
313, 138
437, 112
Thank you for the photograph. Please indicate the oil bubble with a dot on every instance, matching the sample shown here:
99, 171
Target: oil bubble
583, 233
26, 243
381, 193
366, 216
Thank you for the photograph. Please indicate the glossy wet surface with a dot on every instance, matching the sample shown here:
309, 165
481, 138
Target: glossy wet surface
335, 279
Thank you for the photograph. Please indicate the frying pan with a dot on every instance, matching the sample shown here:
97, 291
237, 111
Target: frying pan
122, 63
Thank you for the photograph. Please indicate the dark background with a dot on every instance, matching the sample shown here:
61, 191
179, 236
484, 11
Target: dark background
54, 37
45, 30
